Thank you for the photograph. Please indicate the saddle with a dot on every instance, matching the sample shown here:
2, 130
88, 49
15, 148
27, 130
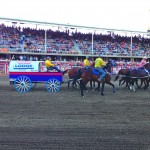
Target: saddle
96, 72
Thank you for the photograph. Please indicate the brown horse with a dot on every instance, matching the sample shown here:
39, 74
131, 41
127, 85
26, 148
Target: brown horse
75, 75
147, 66
72, 73
89, 75
136, 74
122, 72
146, 70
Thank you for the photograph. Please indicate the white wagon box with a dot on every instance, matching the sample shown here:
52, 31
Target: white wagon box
25, 66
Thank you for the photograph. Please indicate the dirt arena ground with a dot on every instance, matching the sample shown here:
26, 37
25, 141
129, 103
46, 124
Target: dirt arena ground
39, 120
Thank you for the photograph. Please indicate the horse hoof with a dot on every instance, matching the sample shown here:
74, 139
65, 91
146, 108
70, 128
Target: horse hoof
102, 94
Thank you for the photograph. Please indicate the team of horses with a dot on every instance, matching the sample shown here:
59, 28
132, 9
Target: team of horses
91, 75
82, 76
132, 77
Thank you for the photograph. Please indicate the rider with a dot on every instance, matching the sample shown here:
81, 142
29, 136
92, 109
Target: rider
142, 63
87, 62
133, 64
87, 65
49, 65
99, 64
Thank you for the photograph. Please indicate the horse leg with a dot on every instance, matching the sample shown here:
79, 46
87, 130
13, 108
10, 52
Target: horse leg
112, 86
77, 82
91, 86
73, 84
69, 84
139, 86
132, 84
121, 81
146, 82
82, 88
98, 86
102, 90
94, 84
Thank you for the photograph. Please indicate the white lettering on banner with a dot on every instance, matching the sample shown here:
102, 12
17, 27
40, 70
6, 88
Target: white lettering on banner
23, 66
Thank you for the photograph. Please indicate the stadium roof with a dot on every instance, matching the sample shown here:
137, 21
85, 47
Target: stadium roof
67, 25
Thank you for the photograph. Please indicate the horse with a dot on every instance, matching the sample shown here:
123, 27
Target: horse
75, 75
92, 75
107, 68
72, 73
122, 72
135, 74
147, 66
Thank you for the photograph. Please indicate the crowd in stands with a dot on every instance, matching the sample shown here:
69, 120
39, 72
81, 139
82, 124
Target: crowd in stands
61, 42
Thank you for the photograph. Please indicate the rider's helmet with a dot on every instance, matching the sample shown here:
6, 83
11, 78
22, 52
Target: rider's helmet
144, 57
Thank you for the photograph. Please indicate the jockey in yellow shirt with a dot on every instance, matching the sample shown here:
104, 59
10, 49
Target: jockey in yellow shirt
99, 64
50, 66
87, 62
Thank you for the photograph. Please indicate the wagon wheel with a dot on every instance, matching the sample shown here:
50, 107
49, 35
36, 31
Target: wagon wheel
53, 85
22, 84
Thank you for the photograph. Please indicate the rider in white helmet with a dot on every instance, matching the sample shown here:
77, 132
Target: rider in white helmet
143, 62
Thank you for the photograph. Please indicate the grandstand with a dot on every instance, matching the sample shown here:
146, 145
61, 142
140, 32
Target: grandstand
20, 41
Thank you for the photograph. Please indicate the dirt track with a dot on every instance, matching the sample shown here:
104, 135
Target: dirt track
64, 120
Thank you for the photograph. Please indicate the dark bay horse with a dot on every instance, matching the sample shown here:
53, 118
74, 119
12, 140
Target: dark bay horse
135, 74
147, 66
122, 72
143, 74
75, 75
89, 75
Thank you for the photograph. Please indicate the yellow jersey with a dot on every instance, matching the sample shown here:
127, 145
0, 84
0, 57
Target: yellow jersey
86, 63
99, 63
48, 64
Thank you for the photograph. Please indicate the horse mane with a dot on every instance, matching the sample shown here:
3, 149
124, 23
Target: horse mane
108, 66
